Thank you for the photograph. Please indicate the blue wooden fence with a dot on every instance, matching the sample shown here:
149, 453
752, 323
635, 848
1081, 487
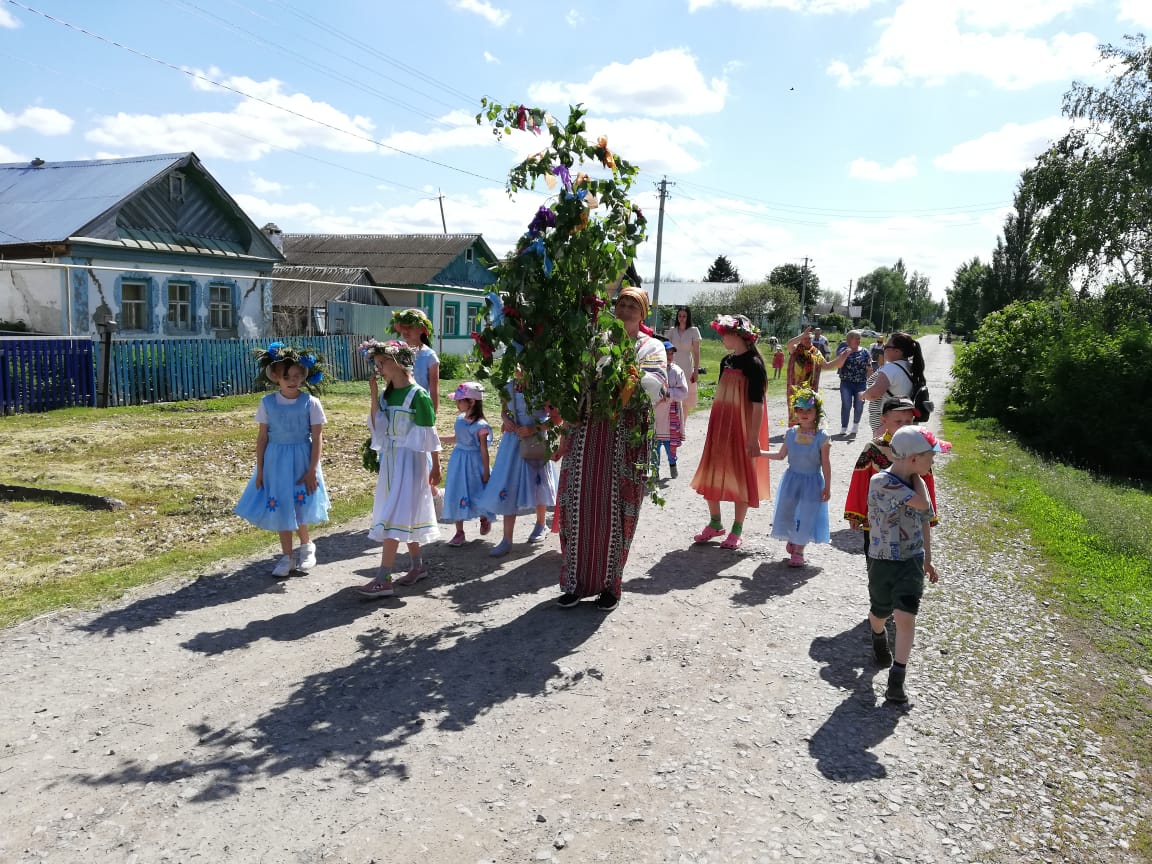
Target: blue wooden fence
42, 374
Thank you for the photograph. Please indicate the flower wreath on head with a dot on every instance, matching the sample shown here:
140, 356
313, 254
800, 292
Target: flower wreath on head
277, 352
738, 324
806, 397
401, 352
412, 318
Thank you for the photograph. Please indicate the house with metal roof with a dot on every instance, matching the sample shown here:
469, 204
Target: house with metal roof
353, 282
152, 243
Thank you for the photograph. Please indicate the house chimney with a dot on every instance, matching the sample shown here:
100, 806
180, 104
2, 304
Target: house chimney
273, 233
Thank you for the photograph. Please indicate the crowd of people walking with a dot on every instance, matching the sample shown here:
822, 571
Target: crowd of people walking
596, 481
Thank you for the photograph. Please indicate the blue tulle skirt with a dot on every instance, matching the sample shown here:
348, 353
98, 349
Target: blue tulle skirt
801, 517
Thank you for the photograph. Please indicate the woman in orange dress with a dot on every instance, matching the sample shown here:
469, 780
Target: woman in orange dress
731, 468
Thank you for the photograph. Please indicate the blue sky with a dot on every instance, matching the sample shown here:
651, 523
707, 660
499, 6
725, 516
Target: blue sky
854, 132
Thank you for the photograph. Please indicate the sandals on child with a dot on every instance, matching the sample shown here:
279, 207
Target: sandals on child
732, 541
457, 539
709, 533
375, 589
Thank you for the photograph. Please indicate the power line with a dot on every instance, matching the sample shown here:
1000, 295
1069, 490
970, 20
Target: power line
196, 75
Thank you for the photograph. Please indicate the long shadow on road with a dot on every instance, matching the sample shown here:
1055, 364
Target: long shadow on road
217, 589
361, 714
842, 747
686, 569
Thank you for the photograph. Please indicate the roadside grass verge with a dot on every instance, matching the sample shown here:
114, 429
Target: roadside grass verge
1096, 538
179, 467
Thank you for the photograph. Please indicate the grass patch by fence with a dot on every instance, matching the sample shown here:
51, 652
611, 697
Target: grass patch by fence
180, 467
1096, 537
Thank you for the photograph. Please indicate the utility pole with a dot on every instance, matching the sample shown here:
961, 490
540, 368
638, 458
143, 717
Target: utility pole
849, 303
663, 187
440, 198
803, 292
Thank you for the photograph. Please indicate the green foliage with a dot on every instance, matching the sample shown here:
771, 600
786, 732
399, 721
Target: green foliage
1059, 372
452, 366
800, 281
556, 322
964, 297
833, 323
1093, 187
722, 270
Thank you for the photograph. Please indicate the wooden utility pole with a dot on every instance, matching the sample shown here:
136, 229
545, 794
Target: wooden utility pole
440, 198
663, 187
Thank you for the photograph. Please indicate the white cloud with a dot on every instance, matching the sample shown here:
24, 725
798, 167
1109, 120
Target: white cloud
663, 84
265, 187
1138, 12
807, 6
865, 169
930, 41
495, 17
45, 121
249, 131
1012, 148
574, 18
8, 20
8, 155
491, 58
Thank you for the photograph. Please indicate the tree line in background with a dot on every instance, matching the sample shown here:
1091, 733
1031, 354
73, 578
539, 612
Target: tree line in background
890, 299
1062, 312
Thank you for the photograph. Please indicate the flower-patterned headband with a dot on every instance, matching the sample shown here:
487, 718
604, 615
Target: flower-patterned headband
738, 324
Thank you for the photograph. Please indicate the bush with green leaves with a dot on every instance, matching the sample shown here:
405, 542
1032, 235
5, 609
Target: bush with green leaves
1069, 377
452, 367
555, 320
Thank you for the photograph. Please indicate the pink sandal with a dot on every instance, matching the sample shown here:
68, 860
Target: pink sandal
709, 533
485, 525
732, 541
457, 539
797, 560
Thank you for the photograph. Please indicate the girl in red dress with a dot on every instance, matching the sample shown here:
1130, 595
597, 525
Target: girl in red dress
731, 468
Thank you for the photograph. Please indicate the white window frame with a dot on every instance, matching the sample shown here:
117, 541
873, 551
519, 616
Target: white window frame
221, 314
178, 304
139, 307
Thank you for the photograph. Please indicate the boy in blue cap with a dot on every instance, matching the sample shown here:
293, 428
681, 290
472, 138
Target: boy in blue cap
900, 549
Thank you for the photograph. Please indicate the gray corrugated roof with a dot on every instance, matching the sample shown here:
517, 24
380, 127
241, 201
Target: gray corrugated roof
300, 293
54, 201
392, 259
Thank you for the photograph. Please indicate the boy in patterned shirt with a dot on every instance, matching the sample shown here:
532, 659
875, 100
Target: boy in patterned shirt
900, 552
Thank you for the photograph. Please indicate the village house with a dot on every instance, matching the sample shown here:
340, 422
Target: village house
446, 275
155, 244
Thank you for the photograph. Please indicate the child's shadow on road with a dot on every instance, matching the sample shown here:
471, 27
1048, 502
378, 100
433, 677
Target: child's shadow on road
842, 746
685, 569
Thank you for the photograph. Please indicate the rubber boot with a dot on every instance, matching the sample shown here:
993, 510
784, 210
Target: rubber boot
895, 691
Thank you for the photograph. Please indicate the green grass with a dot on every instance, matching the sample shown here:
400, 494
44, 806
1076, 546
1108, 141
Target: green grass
179, 467
1095, 536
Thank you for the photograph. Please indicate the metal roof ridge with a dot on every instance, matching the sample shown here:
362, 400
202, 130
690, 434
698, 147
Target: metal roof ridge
95, 163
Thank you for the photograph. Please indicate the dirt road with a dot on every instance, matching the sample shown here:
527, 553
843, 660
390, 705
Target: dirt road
727, 711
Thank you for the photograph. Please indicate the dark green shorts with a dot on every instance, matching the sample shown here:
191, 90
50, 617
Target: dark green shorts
895, 585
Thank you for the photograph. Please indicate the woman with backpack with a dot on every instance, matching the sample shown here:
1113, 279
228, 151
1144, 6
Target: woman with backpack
901, 375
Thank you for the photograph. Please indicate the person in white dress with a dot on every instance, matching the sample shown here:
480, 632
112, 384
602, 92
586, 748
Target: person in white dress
686, 338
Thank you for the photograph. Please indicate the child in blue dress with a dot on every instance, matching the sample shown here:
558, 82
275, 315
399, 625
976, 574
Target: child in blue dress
801, 515
286, 492
518, 486
468, 467
415, 328
403, 428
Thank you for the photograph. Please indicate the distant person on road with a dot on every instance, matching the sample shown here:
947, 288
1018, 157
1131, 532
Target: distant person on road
777, 362
901, 375
820, 343
686, 339
804, 364
877, 352
730, 467
286, 492
801, 515
855, 365
900, 514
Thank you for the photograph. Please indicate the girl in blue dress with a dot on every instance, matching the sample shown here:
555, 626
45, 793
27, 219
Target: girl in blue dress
468, 467
415, 328
286, 492
519, 486
801, 515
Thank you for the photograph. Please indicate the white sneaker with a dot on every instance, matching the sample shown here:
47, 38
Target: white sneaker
843, 430
307, 554
855, 428
283, 567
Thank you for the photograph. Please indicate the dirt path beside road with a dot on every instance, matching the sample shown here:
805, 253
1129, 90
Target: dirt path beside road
727, 711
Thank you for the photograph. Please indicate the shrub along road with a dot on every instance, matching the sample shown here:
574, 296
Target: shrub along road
727, 711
